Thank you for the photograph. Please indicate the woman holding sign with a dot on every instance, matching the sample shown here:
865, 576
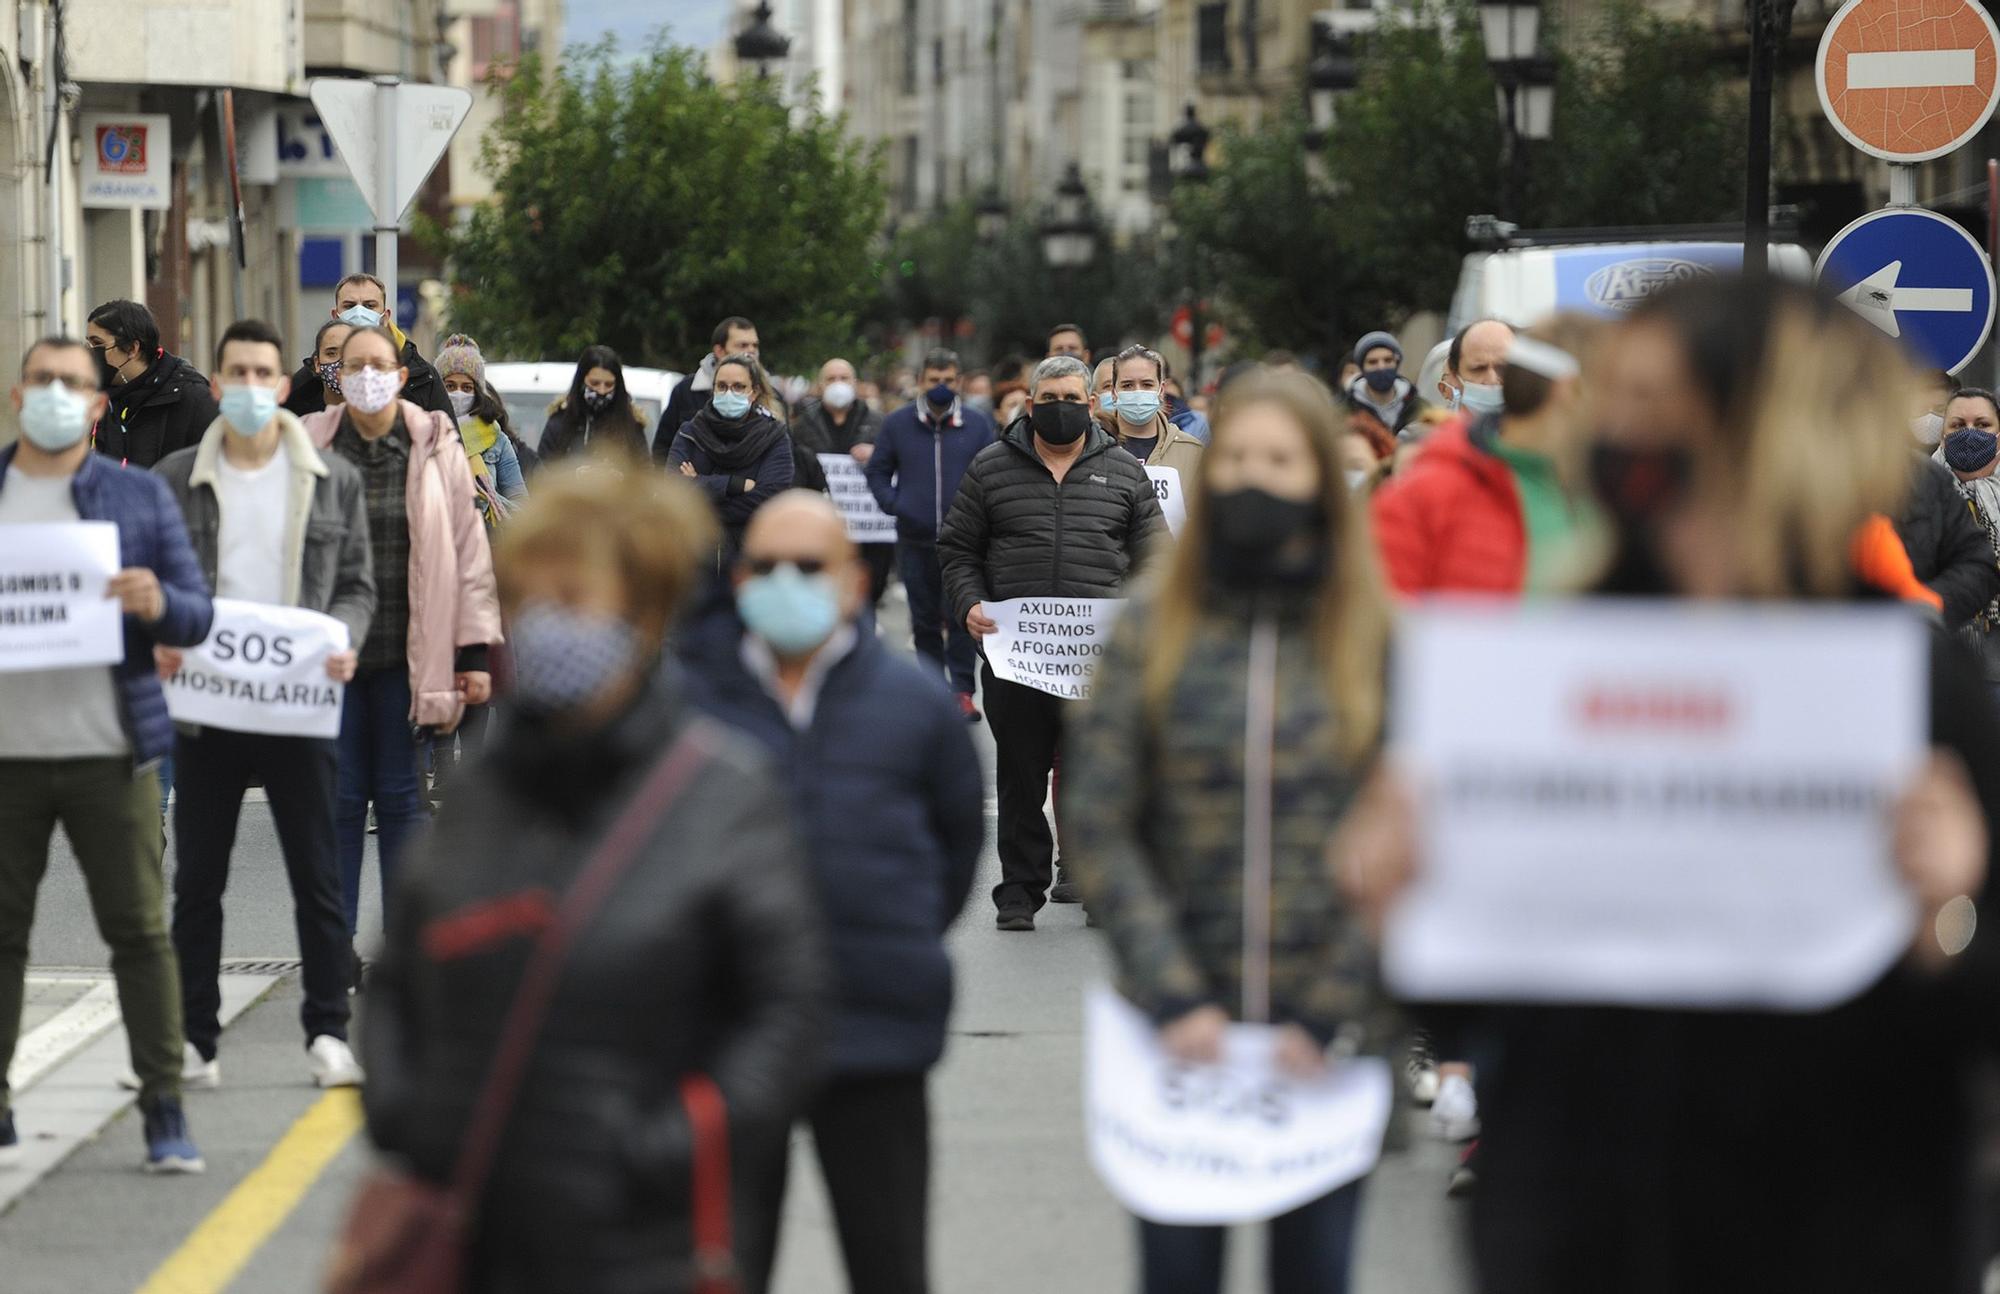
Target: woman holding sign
1236, 713
1656, 1139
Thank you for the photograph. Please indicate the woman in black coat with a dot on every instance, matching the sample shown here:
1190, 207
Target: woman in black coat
597, 414
735, 450
706, 959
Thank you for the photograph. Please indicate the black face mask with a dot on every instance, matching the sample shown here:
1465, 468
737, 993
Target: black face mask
107, 372
1381, 380
1060, 422
1249, 529
1639, 487
598, 401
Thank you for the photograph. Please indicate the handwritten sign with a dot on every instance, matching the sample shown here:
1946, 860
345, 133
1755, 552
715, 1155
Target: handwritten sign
1655, 804
262, 669
53, 612
1050, 644
1218, 1145
1173, 500
847, 482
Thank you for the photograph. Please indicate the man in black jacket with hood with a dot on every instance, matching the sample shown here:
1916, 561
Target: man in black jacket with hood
360, 300
1949, 549
1052, 509
159, 403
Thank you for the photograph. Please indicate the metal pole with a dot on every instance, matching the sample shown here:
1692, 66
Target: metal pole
57, 157
1510, 151
1197, 326
1902, 185
1770, 23
387, 229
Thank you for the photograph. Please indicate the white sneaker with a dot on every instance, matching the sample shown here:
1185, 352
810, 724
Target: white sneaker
333, 1063
1455, 1112
1423, 1076
197, 1075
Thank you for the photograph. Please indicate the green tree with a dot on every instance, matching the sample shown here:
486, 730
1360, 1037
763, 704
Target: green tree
637, 203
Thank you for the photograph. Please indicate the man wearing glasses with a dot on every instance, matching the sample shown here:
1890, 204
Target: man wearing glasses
81, 746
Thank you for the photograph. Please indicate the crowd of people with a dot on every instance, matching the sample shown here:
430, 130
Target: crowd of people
694, 886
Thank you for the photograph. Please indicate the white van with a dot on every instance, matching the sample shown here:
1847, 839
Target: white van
529, 389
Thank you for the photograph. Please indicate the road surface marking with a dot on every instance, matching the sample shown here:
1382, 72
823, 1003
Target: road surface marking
217, 1251
1910, 69
44, 1047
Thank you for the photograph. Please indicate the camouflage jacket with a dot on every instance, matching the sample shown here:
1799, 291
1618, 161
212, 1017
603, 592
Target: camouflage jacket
1163, 852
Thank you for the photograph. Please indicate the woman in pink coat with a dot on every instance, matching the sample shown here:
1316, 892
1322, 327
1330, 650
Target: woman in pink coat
424, 659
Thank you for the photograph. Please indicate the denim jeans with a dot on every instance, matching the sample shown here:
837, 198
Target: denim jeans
1311, 1250
944, 646
380, 763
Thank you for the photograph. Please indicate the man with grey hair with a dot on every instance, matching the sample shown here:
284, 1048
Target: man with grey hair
1052, 510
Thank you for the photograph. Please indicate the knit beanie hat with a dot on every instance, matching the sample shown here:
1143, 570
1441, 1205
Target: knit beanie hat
1377, 341
460, 354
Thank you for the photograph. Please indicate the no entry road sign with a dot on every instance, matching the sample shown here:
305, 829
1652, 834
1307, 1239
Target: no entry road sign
1918, 277
1909, 80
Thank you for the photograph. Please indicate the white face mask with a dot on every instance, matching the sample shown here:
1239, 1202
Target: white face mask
370, 389
461, 402
1928, 429
1356, 478
839, 395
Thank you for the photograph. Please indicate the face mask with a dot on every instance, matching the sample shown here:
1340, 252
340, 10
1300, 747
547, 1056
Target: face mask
1137, 408
1107, 405
1639, 487
1253, 521
838, 395
598, 401
1929, 429
329, 375
1481, 398
461, 401
1060, 422
983, 403
941, 395
1380, 380
564, 659
359, 317
731, 405
53, 417
1356, 478
1969, 449
248, 408
371, 390
107, 372
792, 611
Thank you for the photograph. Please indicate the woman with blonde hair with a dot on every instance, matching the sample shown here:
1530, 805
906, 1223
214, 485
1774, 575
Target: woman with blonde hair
1747, 450
608, 929
1237, 709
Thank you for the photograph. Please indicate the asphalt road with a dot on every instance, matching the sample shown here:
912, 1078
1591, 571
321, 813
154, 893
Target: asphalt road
1015, 1208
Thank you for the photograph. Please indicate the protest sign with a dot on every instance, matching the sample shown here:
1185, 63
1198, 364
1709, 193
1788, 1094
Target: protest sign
1173, 502
1655, 804
1050, 644
847, 482
1216, 1145
53, 612
262, 669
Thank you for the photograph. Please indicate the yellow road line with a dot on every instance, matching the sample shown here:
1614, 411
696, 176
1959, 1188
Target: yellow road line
218, 1250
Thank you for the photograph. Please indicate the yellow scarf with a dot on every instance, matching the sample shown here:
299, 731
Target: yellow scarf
479, 436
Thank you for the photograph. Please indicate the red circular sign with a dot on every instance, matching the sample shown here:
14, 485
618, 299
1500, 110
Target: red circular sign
1909, 80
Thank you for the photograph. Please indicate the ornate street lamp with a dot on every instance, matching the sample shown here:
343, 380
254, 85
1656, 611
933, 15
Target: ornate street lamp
1331, 74
1069, 237
761, 43
1187, 149
990, 216
1525, 83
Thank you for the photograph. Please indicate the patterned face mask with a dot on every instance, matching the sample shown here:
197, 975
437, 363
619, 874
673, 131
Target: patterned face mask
371, 389
329, 374
564, 659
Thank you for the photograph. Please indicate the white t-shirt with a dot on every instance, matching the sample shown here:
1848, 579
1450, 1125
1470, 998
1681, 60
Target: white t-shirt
55, 713
250, 547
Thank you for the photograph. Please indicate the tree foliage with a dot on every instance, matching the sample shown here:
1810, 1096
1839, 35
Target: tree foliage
1645, 125
637, 203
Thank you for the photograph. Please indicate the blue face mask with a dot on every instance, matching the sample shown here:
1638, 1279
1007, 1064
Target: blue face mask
1482, 399
53, 417
792, 611
359, 317
731, 404
248, 408
1137, 408
1108, 402
564, 659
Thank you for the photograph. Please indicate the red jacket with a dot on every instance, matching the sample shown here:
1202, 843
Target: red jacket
1452, 521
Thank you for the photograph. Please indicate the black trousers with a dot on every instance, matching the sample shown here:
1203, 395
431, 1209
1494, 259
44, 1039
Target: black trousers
212, 770
873, 1137
1027, 739
880, 559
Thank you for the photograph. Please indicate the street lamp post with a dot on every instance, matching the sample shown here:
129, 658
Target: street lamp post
1330, 74
1770, 23
760, 42
1187, 163
1525, 83
990, 216
1069, 236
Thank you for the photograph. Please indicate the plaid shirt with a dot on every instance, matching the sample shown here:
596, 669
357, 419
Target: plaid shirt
385, 466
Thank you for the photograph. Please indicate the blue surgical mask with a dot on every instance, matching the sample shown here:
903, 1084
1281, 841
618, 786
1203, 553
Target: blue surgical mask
1480, 398
792, 611
53, 417
1137, 408
247, 408
360, 317
1108, 402
565, 659
731, 404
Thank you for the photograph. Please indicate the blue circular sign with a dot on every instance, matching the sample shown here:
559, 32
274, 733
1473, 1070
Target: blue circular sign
1918, 277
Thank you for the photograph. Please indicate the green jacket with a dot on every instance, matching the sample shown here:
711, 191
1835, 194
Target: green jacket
1163, 856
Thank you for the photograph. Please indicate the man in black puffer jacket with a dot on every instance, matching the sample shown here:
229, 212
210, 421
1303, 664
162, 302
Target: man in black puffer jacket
1948, 547
159, 403
1053, 509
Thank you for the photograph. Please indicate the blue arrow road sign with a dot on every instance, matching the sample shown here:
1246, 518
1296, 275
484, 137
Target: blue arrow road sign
1917, 276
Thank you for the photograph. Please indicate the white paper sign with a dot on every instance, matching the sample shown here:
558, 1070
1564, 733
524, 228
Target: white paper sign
262, 669
1217, 1145
1173, 502
1655, 804
1050, 644
53, 612
847, 482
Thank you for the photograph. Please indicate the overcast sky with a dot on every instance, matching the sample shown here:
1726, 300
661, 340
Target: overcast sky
698, 23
